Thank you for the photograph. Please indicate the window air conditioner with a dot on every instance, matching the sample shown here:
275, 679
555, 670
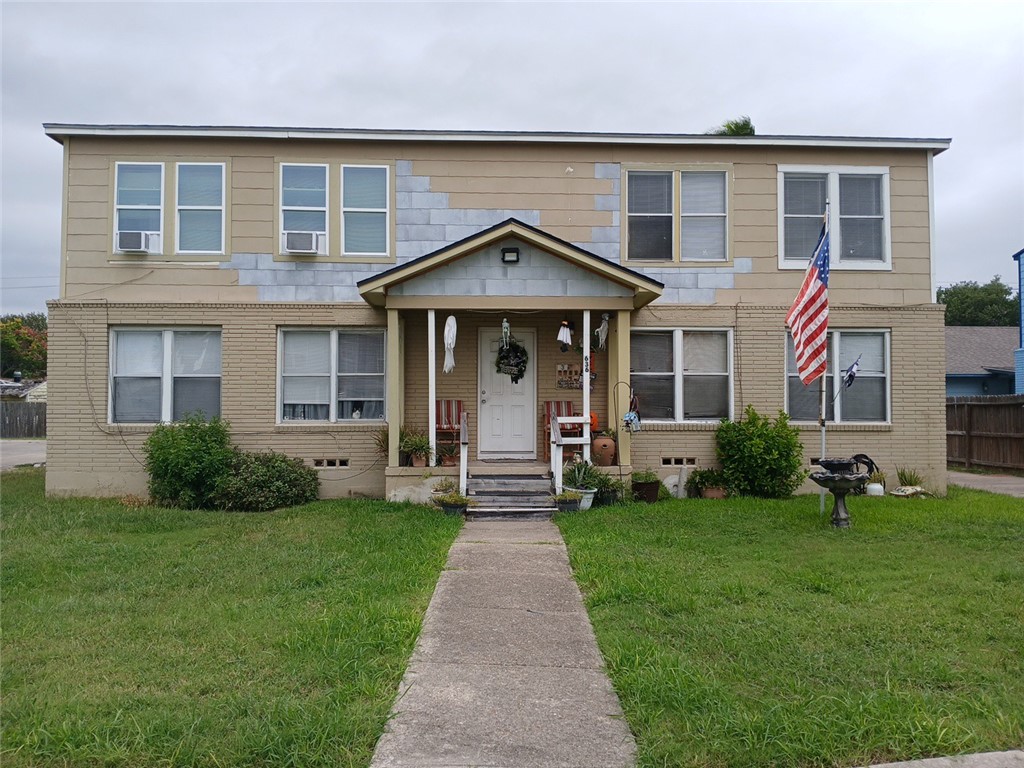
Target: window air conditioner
133, 241
302, 242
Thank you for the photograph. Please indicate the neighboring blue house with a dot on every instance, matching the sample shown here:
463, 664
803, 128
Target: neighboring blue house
980, 360
1019, 354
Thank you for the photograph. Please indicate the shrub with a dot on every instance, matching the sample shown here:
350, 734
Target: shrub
699, 479
186, 462
760, 457
908, 476
259, 482
581, 475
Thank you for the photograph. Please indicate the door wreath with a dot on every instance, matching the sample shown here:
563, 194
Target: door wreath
512, 359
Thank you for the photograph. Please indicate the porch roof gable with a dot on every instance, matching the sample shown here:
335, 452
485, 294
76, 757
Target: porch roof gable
641, 289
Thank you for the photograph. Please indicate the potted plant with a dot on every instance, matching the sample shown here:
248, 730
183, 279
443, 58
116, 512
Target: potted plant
876, 484
417, 445
706, 483
581, 476
609, 490
603, 448
444, 486
448, 453
567, 501
453, 503
646, 485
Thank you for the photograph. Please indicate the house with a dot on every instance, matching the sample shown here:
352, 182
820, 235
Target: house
979, 360
24, 391
299, 283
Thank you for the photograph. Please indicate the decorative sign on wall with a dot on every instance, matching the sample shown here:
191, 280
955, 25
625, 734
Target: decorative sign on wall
570, 376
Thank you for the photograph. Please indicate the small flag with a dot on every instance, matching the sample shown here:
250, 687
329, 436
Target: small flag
851, 372
808, 317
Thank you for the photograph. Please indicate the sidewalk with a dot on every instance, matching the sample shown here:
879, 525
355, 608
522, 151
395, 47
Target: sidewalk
506, 671
16, 452
1008, 485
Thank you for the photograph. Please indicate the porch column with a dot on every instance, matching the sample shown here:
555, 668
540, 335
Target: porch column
586, 384
618, 343
431, 385
394, 391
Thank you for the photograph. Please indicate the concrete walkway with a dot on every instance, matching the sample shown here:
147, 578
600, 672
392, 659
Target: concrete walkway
506, 672
1008, 485
1012, 759
14, 453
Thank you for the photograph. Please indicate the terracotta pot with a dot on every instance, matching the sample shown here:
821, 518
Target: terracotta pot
419, 461
603, 451
714, 492
449, 460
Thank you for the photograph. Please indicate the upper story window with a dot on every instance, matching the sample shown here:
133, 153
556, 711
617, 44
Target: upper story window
682, 375
332, 375
162, 375
200, 208
866, 400
303, 208
364, 210
677, 215
138, 215
859, 211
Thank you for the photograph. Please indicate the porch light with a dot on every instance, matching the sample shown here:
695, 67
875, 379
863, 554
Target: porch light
509, 255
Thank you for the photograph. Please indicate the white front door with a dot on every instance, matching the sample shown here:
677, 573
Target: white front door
508, 412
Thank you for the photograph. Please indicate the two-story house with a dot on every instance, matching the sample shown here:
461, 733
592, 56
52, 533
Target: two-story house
302, 284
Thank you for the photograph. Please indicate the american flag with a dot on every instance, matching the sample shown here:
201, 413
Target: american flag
808, 317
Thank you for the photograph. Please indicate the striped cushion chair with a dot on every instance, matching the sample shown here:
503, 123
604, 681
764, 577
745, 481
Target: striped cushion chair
449, 420
554, 409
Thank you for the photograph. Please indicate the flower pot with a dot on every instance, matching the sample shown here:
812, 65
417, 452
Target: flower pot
647, 491
454, 509
603, 451
588, 496
713, 492
449, 460
874, 489
567, 506
605, 498
419, 461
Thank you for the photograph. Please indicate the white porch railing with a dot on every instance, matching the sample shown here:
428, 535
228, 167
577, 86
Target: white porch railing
463, 453
558, 441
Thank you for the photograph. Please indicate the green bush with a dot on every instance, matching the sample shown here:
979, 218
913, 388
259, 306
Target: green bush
186, 462
760, 457
258, 482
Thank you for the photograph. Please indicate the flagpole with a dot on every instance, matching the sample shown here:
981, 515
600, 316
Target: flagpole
821, 490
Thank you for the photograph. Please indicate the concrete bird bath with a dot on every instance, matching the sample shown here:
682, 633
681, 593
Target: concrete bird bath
840, 477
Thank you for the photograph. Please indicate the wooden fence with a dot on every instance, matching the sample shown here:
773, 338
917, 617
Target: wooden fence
19, 419
985, 431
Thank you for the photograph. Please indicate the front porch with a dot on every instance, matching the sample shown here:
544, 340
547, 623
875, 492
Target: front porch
509, 284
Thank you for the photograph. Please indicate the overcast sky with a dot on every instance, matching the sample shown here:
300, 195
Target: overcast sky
924, 69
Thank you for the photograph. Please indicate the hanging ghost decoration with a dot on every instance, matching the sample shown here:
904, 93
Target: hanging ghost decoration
450, 331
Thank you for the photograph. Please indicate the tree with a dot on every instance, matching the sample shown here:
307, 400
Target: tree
741, 126
34, 320
22, 348
968, 303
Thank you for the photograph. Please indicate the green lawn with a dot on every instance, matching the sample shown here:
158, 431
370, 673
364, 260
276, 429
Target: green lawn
154, 637
750, 633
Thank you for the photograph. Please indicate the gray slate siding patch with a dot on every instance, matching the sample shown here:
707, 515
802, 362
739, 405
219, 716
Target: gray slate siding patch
607, 203
412, 184
403, 168
607, 170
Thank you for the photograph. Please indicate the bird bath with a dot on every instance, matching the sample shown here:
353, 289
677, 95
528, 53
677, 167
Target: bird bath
840, 478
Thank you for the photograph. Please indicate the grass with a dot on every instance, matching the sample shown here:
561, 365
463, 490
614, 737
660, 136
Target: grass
746, 632
156, 637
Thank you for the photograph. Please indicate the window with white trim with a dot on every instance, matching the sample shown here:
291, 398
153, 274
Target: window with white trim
859, 227
332, 375
200, 207
364, 210
303, 208
138, 207
682, 375
866, 400
692, 203
163, 375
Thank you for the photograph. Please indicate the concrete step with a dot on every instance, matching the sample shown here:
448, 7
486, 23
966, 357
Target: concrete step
511, 513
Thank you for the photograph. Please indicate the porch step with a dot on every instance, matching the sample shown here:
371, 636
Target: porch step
524, 495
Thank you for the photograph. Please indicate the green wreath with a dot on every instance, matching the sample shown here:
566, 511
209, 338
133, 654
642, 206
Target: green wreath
512, 359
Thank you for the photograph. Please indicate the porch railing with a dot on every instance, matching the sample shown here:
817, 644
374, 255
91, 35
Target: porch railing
558, 441
463, 453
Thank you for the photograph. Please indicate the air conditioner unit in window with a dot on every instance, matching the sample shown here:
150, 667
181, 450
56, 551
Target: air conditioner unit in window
134, 241
302, 242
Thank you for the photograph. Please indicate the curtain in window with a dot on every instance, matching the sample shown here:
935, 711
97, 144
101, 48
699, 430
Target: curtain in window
804, 195
650, 215
361, 375
138, 366
306, 370
138, 184
861, 224
804, 403
866, 400
703, 237
195, 365
653, 380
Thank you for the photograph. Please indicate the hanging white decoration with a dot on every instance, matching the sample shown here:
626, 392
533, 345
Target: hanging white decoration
450, 331
602, 332
565, 335
506, 332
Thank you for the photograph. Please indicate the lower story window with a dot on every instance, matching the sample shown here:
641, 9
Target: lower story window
162, 375
682, 375
867, 399
332, 375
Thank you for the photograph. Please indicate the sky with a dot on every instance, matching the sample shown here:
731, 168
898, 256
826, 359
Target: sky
920, 69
